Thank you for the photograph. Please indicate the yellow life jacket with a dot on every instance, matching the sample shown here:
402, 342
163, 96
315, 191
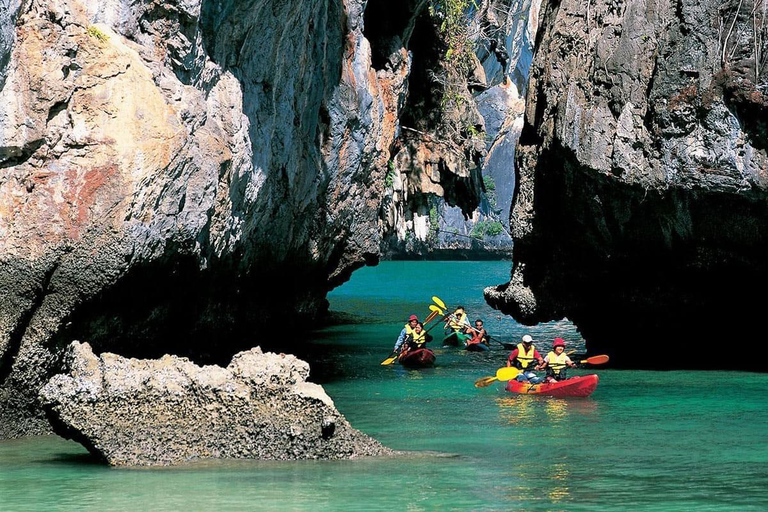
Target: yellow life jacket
459, 322
408, 330
525, 358
556, 362
420, 338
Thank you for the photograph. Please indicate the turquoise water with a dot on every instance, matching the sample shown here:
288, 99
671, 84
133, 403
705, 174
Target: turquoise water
643, 441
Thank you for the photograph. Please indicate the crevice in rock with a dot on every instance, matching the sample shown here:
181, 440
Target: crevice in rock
17, 335
385, 26
13, 156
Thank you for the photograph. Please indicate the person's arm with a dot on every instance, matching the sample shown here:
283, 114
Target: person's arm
512, 357
538, 357
428, 337
400, 340
570, 363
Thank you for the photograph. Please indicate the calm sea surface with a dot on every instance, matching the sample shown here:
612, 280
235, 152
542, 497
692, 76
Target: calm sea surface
644, 441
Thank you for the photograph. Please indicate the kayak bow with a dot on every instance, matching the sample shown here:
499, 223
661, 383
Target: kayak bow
582, 385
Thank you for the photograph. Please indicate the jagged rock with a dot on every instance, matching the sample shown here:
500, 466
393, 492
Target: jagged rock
162, 161
642, 178
166, 411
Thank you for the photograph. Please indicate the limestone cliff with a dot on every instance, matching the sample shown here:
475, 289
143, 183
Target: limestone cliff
640, 206
175, 175
424, 214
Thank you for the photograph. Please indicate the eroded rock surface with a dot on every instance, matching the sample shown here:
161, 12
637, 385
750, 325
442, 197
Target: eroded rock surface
640, 208
169, 410
162, 162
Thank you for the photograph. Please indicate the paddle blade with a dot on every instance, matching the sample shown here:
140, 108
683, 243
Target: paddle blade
507, 373
484, 382
435, 309
388, 360
439, 302
596, 360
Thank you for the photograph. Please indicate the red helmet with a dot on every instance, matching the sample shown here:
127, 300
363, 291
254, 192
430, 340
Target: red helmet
559, 342
413, 317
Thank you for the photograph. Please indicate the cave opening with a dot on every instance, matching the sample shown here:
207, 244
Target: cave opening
202, 314
385, 26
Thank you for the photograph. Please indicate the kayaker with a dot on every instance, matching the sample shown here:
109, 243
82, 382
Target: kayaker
525, 357
557, 362
479, 334
458, 321
417, 338
408, 329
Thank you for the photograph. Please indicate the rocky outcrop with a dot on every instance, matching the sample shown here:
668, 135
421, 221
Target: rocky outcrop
642, 178
131, 412
163, 162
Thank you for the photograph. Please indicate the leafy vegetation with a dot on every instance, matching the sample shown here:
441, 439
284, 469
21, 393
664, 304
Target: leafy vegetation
486, 228
434, 223
95, 32
389, 178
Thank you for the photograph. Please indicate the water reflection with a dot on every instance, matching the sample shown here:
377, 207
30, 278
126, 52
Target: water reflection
524, 410
558, 477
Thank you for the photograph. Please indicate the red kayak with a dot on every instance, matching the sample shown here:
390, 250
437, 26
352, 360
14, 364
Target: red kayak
418, 358
582, 385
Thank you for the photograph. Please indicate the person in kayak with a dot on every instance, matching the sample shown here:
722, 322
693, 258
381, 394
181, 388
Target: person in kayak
417, 338
479, 334
525, 357
557, 363
458, 324
408, 329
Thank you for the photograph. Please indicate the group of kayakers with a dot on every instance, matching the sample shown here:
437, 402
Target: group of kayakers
414, 336
527, 359
524, 357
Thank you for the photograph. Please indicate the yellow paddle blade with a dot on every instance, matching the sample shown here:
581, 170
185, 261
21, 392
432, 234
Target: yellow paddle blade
507, 373
388, 360
439, 302
435, 309
484, 382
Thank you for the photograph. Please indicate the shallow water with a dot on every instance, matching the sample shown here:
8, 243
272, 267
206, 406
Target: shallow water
642, 441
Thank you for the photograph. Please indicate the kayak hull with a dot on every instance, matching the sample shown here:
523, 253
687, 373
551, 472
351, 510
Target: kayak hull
455, 339
419, 358
580, 386
477, 347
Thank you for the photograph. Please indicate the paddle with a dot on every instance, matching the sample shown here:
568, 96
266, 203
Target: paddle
431, 317
391, 359
435, 309
602, 359
439, 302
502, 374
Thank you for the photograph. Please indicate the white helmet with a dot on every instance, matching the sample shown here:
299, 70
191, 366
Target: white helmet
527, 339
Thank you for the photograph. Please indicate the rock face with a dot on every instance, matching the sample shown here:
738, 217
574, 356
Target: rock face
162, 162
166, 411
425, 215
640, 207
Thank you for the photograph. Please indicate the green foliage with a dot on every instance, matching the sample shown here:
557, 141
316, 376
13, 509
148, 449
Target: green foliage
434, 223
94, 31
453, 19
389, 178
490, 185
486, 228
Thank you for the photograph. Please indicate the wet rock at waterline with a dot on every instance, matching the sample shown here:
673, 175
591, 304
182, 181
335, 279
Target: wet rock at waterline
169, 410
642, 179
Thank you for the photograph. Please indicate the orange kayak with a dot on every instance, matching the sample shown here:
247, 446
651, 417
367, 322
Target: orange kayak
582, 385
